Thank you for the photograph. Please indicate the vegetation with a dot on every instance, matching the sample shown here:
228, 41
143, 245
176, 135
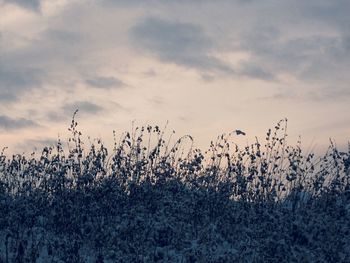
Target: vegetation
153, 201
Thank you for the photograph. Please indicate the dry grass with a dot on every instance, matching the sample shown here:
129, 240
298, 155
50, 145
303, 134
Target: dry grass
150, 200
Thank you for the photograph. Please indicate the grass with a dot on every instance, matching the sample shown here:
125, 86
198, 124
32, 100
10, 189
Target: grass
151, 200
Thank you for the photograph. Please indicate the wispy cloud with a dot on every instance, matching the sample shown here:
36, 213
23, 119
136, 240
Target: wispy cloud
9, 124
82, 106
254, 71
7, 97
17, 79
31, 4
329, 93
318, 51
105, 82
184, 44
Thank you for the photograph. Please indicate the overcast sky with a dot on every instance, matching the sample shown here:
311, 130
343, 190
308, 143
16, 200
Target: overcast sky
208, 67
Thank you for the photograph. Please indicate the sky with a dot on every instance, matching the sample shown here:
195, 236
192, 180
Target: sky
206, 67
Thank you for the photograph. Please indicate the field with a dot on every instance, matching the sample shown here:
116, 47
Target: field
154, 200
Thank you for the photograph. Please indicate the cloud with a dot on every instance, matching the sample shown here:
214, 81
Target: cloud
55, 116
15, 80
43, 60
63, 37
283, 95
309, 58
319, 94
82, 106
30, 4
18, 78
329, 93
329, 12
105, 82
252, 70
6, 97
9, 124
55, 47
184, 44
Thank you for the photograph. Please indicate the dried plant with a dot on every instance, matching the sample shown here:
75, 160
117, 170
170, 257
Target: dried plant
153, 200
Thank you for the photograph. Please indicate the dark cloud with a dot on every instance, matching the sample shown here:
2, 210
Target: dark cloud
18, 78
82, 106
175, 42
54, 48
153, 3
15, 80
346, 43
309, 41
306, 57
105, 82
36, 64
30, 4
255, 71
7, 97
334, 12
8, 123
51, 49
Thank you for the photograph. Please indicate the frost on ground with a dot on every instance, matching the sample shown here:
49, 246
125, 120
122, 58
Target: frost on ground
154, 203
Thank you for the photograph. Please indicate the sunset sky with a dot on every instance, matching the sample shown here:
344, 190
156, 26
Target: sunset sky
207, 67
